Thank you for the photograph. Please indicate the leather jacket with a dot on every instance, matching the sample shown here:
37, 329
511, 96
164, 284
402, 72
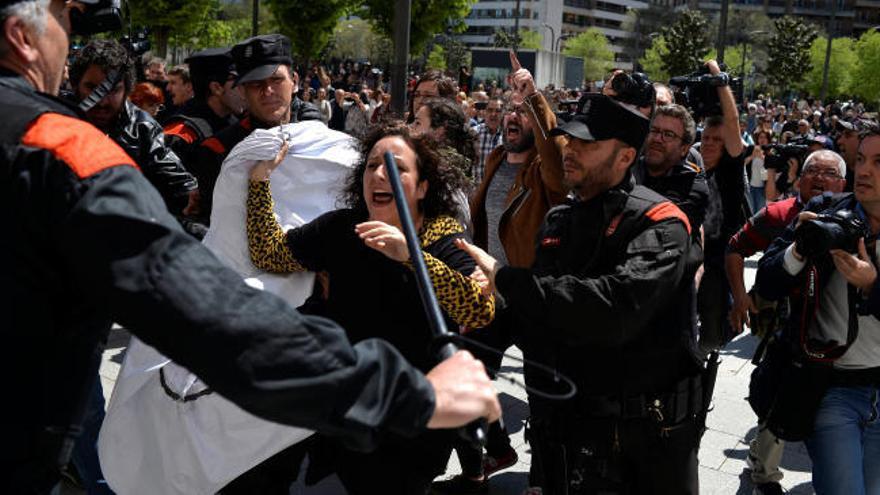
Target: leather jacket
142, 138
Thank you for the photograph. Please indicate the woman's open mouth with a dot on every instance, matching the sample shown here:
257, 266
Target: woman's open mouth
382, 198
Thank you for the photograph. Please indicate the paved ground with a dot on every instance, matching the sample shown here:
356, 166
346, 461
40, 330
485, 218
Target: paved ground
723, 451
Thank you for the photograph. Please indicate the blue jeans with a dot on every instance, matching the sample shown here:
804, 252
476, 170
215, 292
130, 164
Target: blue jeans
756, 194
85, 452
845, 446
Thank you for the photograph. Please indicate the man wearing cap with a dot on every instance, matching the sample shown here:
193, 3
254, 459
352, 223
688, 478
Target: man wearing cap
214, 107
608, 303
267, 82
91, 242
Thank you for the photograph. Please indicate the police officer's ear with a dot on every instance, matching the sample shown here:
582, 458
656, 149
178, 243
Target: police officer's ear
626, 156
215, 88
20, 40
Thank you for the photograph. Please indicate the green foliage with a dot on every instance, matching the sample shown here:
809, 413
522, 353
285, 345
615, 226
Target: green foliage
652, 61
843, 62
592, 46
457, 53
308, 23
789, 52
428, 18
184, 18
503, 39
733, 60
531, 39
643, 23
865, 82
687, 43
356, 39
437, 58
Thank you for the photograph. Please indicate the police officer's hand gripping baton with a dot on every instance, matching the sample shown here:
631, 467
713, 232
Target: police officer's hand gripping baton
476, 431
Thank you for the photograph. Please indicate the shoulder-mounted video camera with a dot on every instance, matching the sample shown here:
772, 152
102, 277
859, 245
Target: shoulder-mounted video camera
777, 155
840, 229
97, 16
634, 89
698, 91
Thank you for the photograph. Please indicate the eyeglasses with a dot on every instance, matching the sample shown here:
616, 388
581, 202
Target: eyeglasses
665, 134
825, 174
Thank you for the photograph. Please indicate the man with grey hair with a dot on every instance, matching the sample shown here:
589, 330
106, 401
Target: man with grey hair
91, 242
665, 168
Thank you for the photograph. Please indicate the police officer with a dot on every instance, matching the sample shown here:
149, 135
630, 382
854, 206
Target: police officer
267, 81
90, 242
608, 302
215, 106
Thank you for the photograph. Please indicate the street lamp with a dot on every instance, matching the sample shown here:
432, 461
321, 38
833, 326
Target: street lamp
552, 34
560, 39
745, 54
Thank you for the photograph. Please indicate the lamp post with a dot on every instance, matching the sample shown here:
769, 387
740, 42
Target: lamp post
746, 43
552, 53
552, 34
255, 25
401, 54
831, 29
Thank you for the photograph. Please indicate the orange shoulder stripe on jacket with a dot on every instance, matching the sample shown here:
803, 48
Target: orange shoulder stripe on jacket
181, 130
665, 210
84, 149
214, 145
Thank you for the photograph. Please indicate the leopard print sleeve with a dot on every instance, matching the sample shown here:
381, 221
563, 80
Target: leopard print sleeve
267, 243
460, 296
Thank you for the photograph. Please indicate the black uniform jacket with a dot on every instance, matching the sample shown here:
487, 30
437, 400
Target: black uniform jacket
142, 138
89, 242
684, 184
193, 124
608, 299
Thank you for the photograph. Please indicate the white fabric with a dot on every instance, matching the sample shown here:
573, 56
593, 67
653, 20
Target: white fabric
152, 444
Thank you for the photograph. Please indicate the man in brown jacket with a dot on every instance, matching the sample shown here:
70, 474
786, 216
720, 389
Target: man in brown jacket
536, 184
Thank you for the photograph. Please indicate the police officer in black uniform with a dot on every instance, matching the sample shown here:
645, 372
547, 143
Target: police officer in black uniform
267, 81
608, 302
215, 106
89, 242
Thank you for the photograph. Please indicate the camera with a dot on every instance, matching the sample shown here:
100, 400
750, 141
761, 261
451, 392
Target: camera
841, 229
633, 89
777, 155
567, 110
137, 44
97, 16
697, 91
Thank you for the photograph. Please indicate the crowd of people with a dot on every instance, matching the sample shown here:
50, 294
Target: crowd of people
604, 231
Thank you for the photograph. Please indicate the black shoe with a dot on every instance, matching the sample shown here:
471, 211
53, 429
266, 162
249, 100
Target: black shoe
770, 488
460, 484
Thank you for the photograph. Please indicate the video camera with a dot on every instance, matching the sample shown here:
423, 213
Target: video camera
98, 16
776, 156
698, 91
567, 110
633, 89
137, 43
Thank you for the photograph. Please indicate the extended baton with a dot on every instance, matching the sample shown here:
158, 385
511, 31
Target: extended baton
476, 431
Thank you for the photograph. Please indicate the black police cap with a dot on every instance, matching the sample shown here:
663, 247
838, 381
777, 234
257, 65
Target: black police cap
212, 64
258, 58
600, 117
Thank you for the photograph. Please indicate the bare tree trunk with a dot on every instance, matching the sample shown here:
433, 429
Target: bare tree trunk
162, 34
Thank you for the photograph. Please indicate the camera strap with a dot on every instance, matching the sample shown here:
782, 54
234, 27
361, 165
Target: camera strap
819, 350
102, 90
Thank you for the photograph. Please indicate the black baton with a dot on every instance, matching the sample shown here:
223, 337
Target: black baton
476, 431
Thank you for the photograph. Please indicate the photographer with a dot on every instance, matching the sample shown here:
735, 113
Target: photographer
357, 113
724, 156
836, 334
132, 128
823, 172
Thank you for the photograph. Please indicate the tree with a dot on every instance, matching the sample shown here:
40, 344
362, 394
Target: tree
843, 63
789, 52
437, 58
164, 17
308, 38
652, 61
643, 23
592, 46
457, 53
504, 39
532, 40
687, 42
865, 81
428, 17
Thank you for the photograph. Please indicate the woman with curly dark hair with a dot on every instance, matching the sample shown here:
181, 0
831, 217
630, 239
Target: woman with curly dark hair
372, 290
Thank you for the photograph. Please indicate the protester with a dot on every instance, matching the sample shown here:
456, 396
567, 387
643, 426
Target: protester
323, 105
431, 84
489, 136
362, 242
180, 85
148, 98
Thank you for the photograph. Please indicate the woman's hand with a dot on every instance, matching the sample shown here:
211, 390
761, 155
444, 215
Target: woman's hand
486, 263
387, 239
264, 168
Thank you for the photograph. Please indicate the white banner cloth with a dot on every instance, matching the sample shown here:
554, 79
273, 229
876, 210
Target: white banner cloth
152, 444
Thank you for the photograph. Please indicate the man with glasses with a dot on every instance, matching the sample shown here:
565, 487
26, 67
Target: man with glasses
489, 136
823, 172
665, 168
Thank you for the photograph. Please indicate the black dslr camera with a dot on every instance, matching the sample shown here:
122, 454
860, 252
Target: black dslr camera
697, 91
633, 89
137, 43
776, 156
98, 16
841, 229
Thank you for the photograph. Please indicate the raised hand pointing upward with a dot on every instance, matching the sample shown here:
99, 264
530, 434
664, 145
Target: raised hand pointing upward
520, 79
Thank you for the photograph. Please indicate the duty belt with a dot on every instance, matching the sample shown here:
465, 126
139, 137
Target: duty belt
666, 407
